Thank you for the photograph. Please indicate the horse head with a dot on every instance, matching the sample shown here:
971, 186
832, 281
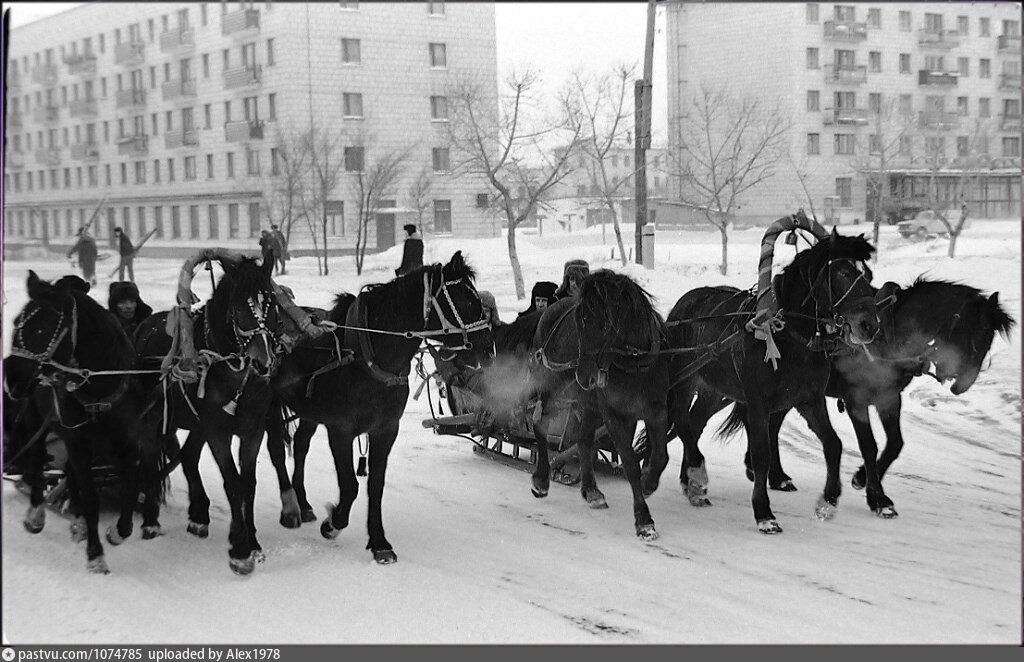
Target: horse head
452, 304
246, 296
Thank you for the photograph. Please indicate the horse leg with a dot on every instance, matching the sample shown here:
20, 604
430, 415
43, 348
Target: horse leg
889, 413
380, 444
240, 555
541, 479
127, 455
758, 442
583, 432
340, 442
816, 415
248, 452
877, 500
689, 425
619, 427
300, 448
152, 449
656, 426
35, 465
290, 518
198, 501
80, 463
778, 479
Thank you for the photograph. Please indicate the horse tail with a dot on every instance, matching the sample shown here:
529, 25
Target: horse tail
167, 460
734, 422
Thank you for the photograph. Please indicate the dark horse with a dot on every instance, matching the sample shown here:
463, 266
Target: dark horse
355, 380
235, 335
70, 371
603, 350
824, 296
947, 325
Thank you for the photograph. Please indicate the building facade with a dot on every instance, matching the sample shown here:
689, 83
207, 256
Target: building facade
934, 88
177, 119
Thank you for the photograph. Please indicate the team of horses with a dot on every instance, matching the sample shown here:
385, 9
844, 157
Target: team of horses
607, 350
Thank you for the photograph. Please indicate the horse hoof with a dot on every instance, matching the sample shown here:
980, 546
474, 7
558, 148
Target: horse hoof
35, 519
152, 531
113, 537
259, 556
98, 566
595, 500
78, 530
328, 531
646, 533
825, 511
858, 482
785, 486
385, 556
698, 501
242, 567
199, 530
886, 512
307, 515
769, 527
291, 521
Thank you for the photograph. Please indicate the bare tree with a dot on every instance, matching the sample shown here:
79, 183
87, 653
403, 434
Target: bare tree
601, 105
725, 148
288, 180
371, 179
802, 170
420, 191
505, 140
324, 151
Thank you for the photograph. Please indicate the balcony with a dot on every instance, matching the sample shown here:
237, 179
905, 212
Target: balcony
81, 65
938, 120
85, 152
131, 98
177, 39
247, 76
49, 156
1008, 44
942, 39
180, 138
46, 114
245, 130
82, 108
846, 30
1009, 122
45, 74
1009, 82
938, 78
14, 120
133, 145
243, 21
130, 53
845, 75
14, 160
176, 89
847, 116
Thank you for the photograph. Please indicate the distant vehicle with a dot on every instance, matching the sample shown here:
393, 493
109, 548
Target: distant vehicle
902, 209
927, 223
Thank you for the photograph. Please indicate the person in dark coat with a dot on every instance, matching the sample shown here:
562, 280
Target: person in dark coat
128, 307
282, 255
85, 247
270, 247
542, 296
126, 250
572, 277
412, 251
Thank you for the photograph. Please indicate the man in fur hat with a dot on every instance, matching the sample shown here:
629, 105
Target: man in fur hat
128, 307
572, 277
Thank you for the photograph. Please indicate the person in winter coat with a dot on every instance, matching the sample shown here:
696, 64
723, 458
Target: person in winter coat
282, 255
126, 250
572, 277
128, 307
85, 247
412, 251
542, 296
270, 247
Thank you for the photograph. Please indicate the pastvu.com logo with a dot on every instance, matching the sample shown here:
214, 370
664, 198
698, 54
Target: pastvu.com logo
8, 654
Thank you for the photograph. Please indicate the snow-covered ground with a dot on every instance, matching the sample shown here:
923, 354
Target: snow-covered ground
481, 560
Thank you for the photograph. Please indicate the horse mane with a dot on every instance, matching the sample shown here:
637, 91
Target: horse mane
96, 323
391, 299
632, 302
812, 260
342, 302
1001, 321
247, 279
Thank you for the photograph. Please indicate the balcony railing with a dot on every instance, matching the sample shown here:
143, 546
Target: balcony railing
129, 53
1009, 81
846, 30
131, 98
81, 65
1009, 122
85, 152
14, 160
940, 78
1008, 43
49, 156
244, 130
180, 138
45, 74
82, 108
239, 21
938, 120
856, 116
133, 145
46, 114
175, 89
944, 39
14, 120
179, 38
846, 75
243, 77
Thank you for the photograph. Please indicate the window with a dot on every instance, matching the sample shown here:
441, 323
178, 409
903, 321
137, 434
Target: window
962, 25
227, 59
214, 222
152, 78
984, 107
874, 17
275, 154
351, 6
167, 71
961, 145
961, 106
170, 170
813, 143
251, 109
874, 144
933, 23
844, 143
209, 166
963, 66
252, 162
844, 13
844, 189
206, 117
124, 173
156, 127
442, 215
353, 159
169, 120
102, 44
875, 102
227, 112
813, 101
141, 215
1011, 107
67, 178
812, 12
350, 51
175, 222
352, 103
812, 58
335, 211
190, 167
905, 21
935, 146
103, 88
254, 219
984, 27
904, 63
140, 172
206, 65
270, 52
438, 56
156, 171
231, 164
934, 63
193, 221
1011, 146
249, 55
107, 170
985, 68
202, 14
439, 108
442, 159
272, 106
158, 222
875, 61
435, 8
92, 173
233, 220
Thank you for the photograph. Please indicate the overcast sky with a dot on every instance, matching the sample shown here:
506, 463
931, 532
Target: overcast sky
553, 37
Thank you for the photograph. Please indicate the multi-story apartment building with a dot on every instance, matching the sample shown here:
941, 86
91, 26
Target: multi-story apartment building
934, 87
584, 178
179, 117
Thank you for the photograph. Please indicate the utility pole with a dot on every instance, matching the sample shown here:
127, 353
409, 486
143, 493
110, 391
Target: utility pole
642, 118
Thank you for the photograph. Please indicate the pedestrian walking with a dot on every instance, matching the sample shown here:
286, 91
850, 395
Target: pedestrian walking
87, 253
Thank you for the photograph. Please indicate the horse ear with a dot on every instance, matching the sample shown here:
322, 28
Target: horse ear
993, 301
835, 233
456, 260
33, 284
